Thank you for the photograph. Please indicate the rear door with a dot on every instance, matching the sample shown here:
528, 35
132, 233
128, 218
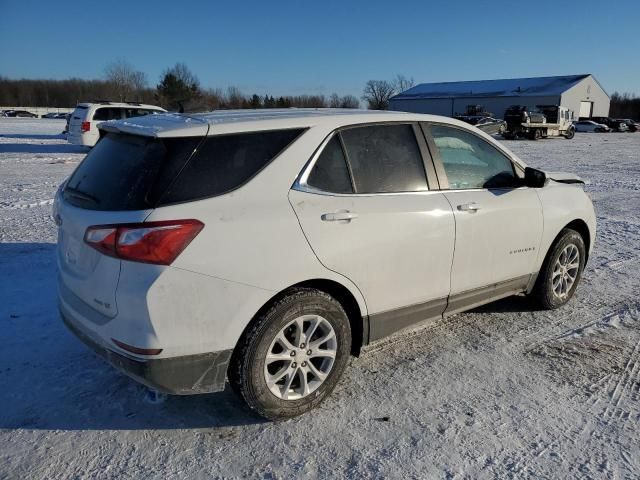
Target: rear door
498, 221
365, 206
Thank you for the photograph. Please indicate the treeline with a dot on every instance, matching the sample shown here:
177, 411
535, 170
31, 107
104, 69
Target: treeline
625, 106
67, 93
179, 89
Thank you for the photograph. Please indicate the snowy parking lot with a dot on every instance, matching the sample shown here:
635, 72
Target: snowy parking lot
503, 391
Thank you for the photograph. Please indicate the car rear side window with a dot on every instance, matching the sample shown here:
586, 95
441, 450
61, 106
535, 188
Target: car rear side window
127, 172
225, 162
385, 159
330, 172
138, 112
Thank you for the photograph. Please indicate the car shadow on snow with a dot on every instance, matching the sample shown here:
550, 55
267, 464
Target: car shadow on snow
51, 381
41, 148
33, 136
516, 303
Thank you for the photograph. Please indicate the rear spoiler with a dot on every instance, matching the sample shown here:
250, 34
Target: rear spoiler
158, 126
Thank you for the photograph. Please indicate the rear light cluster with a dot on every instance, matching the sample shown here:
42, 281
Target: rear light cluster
85, 127
159, 243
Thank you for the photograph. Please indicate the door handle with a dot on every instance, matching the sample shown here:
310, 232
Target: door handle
341, 216
471, 207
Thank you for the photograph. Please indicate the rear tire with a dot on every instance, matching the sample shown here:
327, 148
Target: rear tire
561, 271
279, 368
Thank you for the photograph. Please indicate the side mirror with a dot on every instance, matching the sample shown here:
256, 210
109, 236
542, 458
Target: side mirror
534, 178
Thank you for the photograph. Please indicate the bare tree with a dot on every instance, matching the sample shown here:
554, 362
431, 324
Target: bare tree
334, 100
235, 98
402, 83
125, 79
377, 94
349, 101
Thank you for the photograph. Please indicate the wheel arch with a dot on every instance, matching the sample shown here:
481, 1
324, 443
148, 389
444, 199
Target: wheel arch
577, 225
582, 228
358, 321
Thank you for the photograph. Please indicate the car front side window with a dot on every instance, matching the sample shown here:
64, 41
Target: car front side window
471, 162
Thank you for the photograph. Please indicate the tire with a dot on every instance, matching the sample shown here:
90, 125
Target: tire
549, 292
570, 134
250, 367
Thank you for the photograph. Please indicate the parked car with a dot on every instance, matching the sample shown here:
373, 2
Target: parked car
82, 129
590, 126
632, 125
55, 115
267, 246
613, 124
20, 113
489, 125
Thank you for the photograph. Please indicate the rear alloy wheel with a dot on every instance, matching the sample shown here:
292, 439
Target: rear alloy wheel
293, 356
561, 271
301, 357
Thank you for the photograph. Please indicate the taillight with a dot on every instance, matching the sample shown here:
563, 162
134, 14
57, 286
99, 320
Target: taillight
153, 242
85, 127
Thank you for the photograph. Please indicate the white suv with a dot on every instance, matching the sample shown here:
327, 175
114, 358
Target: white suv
267, 246
83, 122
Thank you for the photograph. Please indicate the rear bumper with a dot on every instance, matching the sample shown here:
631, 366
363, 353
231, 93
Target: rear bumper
184, 375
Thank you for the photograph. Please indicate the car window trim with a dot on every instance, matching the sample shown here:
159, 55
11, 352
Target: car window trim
345, 156
439, 165
301, 182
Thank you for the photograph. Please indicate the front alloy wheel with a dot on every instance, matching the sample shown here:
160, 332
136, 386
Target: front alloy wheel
561, 271
565, 271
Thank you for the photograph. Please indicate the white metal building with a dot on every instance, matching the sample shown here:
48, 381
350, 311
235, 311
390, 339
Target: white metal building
580, 93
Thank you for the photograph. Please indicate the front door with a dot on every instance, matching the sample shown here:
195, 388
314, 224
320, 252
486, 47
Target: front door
498, 221
367, 212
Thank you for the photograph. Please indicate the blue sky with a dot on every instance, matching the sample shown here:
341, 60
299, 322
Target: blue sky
322, 47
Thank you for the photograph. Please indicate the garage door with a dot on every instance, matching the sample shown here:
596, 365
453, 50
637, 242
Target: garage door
585, 109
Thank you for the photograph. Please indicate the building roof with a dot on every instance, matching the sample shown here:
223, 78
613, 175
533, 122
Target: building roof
229, 121
507, 87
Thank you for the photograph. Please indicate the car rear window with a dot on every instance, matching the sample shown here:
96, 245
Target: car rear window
130, 172
127, 172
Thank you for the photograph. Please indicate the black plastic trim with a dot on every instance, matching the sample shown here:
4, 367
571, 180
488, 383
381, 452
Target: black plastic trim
384, 324
185, 375
479, 296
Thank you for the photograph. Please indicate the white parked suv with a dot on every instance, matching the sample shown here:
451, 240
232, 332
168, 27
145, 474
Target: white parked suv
266, 247
86, 117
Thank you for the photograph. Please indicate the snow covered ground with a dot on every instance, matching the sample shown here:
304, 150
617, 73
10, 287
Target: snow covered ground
501, 392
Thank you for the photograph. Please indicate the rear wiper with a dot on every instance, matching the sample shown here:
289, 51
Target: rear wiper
74, 192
